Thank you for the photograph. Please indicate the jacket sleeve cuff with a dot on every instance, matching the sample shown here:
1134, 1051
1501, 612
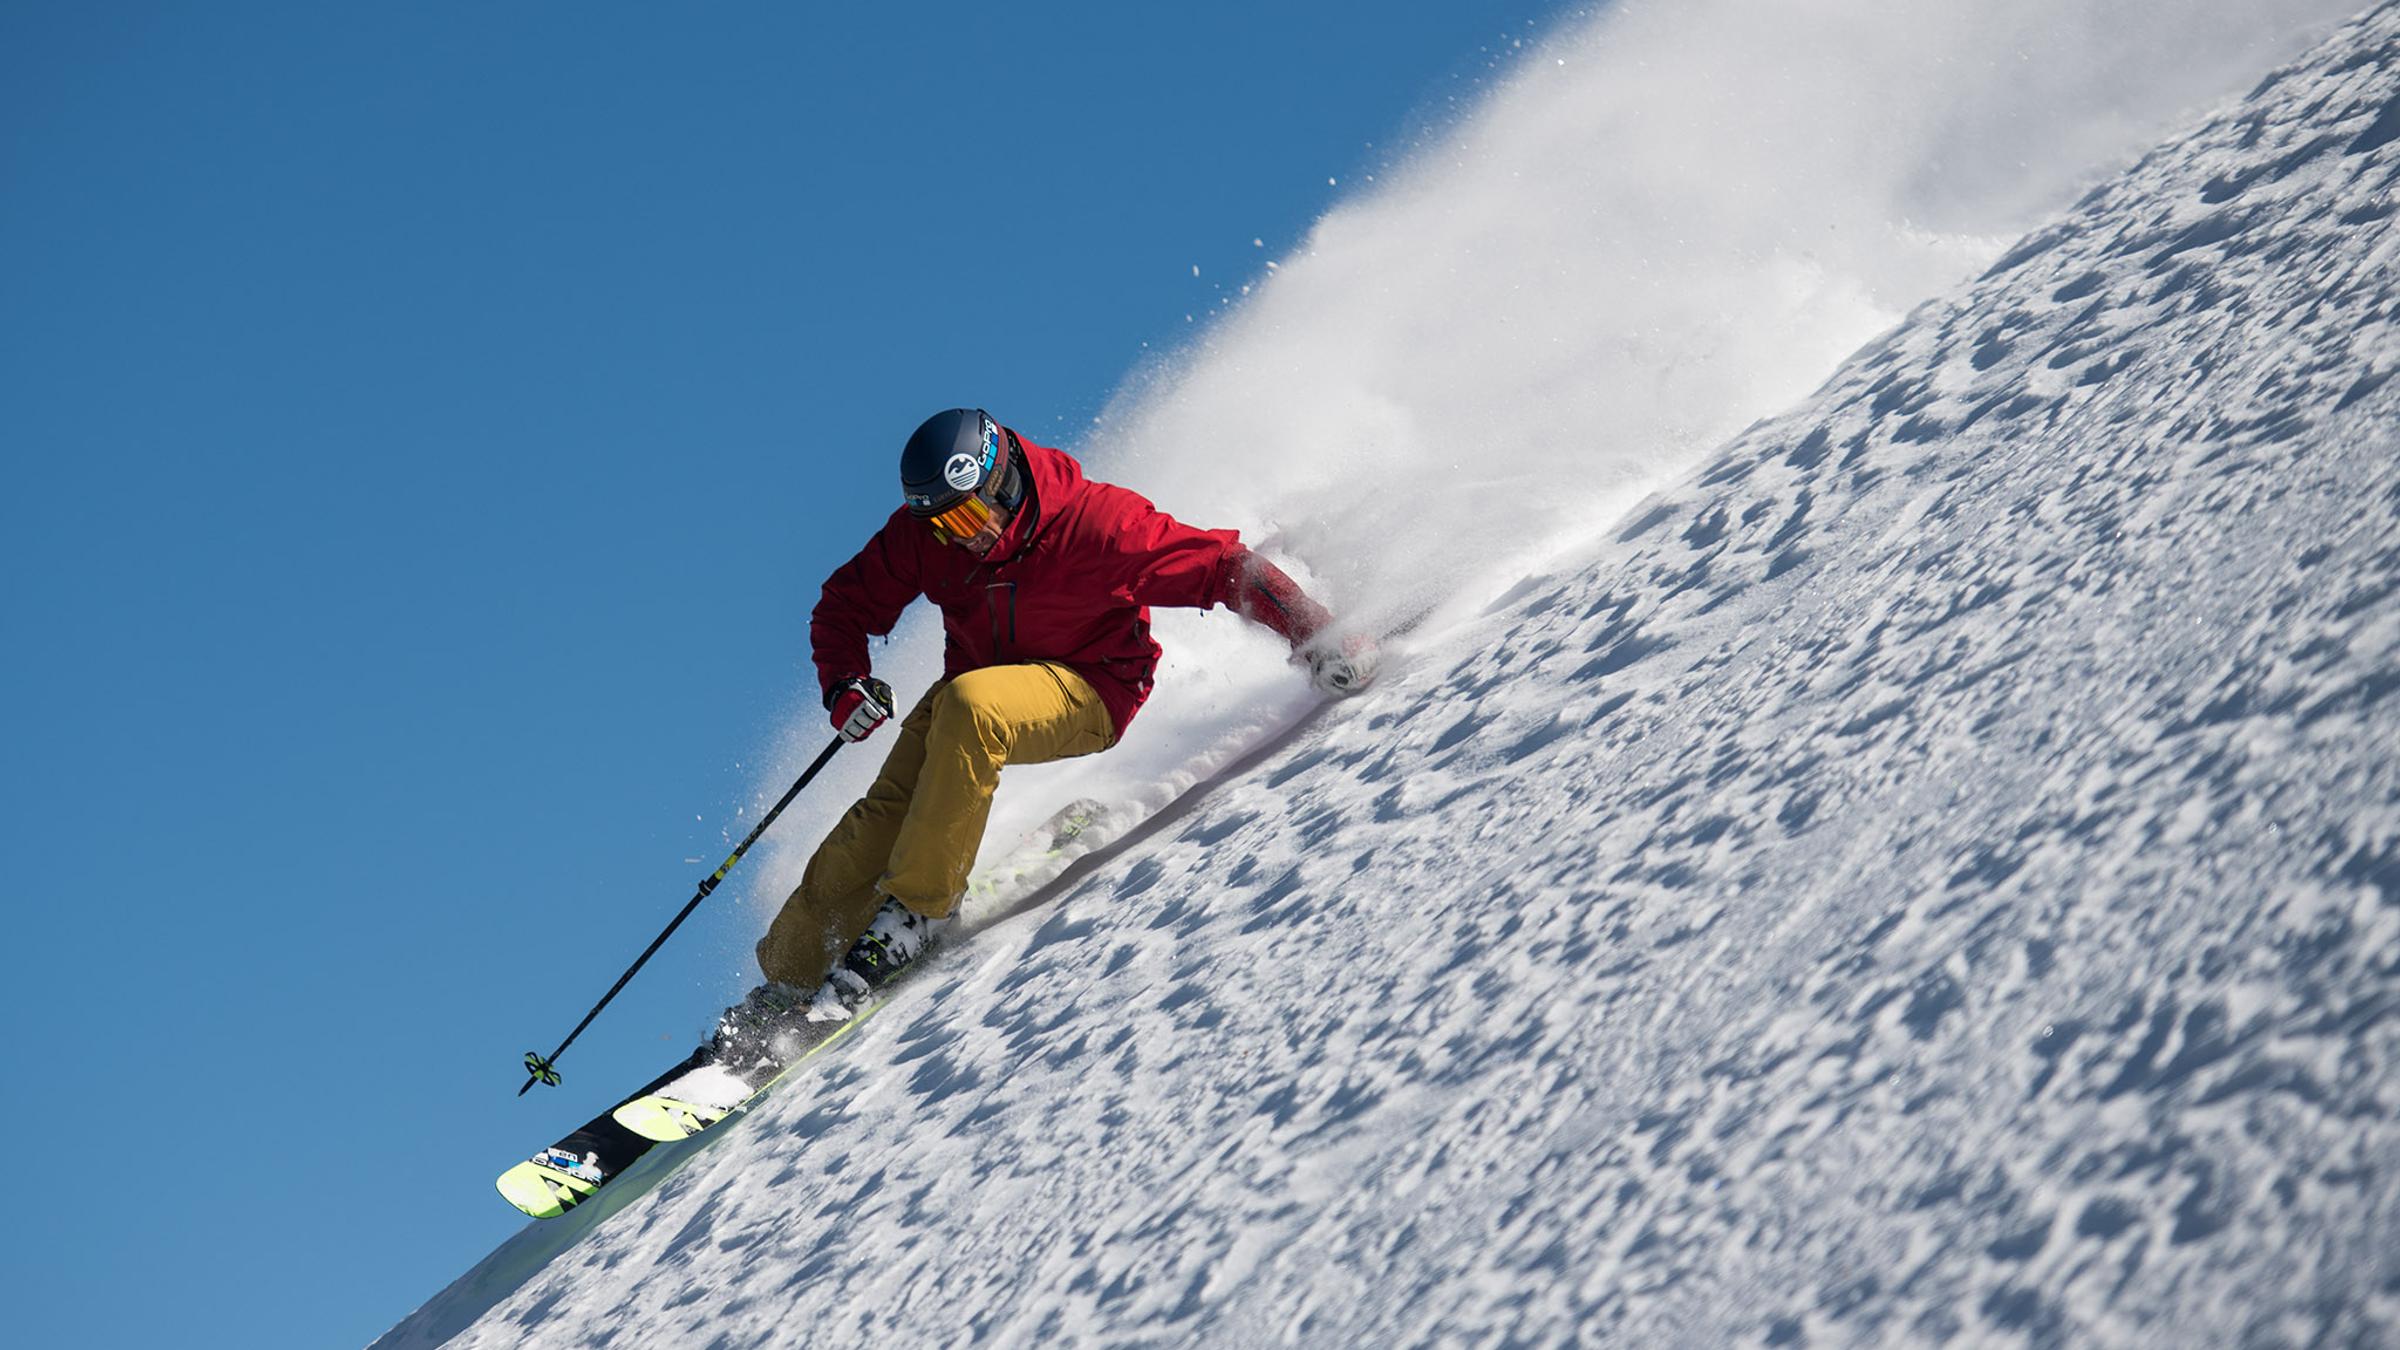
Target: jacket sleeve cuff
833, 687
1265, 595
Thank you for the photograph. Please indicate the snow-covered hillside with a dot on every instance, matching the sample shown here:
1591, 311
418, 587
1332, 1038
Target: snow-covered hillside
1933, 876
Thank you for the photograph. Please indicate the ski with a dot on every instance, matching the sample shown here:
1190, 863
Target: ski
697, 1093
1044, 851
703, 1097
570, 1171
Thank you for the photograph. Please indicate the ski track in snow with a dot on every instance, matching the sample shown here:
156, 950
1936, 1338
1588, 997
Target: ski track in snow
1933, 878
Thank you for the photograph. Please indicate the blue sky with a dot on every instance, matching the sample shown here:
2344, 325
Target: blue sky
426, 427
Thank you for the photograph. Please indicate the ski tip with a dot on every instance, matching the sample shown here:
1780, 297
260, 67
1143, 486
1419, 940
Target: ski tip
543, 1192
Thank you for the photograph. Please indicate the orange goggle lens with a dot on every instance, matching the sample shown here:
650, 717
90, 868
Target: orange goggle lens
963, 521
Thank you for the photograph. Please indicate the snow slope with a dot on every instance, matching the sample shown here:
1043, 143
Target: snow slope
1932, 876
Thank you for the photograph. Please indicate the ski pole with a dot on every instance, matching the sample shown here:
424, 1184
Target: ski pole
543, 1068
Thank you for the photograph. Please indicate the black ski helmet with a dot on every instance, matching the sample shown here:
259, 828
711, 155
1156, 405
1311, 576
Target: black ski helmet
957, 454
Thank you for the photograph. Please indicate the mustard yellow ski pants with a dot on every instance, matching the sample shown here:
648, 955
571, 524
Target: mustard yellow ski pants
913, 836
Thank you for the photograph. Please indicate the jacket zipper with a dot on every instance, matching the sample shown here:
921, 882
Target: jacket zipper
992, 603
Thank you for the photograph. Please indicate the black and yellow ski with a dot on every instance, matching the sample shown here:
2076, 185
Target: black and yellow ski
574, 1169
679, 1110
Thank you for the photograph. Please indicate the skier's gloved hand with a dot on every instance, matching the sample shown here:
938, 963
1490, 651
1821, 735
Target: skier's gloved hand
1341, 665
859, 705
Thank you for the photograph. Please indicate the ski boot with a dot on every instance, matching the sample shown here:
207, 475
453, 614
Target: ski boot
898, 936
748, 1032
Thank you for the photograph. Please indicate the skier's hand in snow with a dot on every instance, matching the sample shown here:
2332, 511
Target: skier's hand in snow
1341, 666
859, 705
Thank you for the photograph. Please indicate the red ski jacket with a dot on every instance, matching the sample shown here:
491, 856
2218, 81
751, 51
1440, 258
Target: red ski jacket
1072, 581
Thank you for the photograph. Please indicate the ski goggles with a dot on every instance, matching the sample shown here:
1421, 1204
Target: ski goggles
963, 521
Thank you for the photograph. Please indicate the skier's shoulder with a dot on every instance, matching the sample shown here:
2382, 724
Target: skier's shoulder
1088, 516
1067, 492
894, 552
897, 528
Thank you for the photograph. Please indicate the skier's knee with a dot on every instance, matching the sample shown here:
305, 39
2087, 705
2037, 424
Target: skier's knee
974, 706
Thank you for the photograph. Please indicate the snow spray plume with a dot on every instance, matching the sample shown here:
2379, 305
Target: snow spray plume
1662, 227
1666, 223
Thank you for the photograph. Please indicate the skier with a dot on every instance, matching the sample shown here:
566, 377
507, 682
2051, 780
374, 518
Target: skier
1045, 579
